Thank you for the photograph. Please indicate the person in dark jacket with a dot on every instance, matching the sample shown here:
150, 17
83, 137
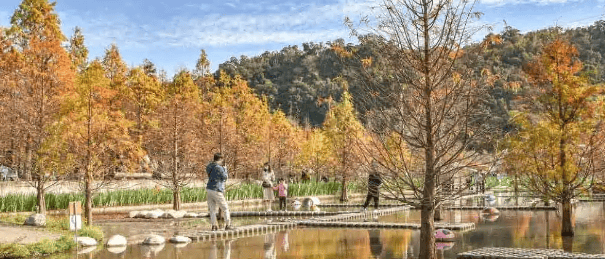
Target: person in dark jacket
217, 176
374, 182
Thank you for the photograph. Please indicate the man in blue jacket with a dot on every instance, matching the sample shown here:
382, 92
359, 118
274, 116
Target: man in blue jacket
217, 176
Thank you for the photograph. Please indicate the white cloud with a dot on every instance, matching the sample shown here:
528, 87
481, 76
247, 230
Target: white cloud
290, 23
308, 23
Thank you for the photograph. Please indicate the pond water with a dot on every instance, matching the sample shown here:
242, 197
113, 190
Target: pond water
527, 229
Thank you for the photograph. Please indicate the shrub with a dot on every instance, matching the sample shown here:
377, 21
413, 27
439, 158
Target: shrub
12, 250
92, 231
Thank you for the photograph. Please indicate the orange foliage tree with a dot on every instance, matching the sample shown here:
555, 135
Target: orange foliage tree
176, 143
44, 77
559, 144
97, 131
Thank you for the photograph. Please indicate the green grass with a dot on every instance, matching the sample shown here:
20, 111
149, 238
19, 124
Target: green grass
46, 246
20, 202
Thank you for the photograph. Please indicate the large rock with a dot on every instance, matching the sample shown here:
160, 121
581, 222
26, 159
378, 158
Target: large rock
116, 240
87, 241
179, 239
310, 202
154, 240
190, 215
37, 220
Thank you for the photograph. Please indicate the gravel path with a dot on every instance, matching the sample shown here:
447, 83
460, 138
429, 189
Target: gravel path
24, 234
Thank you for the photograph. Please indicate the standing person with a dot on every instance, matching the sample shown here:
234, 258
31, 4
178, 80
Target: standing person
268, 178
217, 176
374, 182
282, 189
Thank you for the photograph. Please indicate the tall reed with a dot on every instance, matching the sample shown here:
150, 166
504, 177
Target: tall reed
21, 202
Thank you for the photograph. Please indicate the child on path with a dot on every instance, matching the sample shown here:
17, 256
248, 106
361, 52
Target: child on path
282, 189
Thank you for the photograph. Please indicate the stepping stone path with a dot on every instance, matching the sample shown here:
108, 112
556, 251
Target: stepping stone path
503, 208
356, 205
524, 253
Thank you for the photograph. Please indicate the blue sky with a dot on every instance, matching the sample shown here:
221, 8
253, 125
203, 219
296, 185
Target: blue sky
171, 33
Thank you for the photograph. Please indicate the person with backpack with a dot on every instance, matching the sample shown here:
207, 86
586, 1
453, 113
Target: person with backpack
215, 188
374, 182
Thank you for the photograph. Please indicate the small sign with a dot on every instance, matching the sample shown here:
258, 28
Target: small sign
75, 208
75, 217
75, 222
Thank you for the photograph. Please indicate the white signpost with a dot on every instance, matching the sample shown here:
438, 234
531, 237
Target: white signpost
75, 219
75, 216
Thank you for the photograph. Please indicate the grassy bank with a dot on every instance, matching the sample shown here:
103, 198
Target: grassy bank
46, 246
18, 202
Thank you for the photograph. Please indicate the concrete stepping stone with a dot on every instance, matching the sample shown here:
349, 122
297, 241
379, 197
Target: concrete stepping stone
179, 239
116, 240
86, 241
154, 240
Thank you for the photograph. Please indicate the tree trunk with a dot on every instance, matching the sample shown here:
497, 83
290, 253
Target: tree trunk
28, 160
88, 197
344, 196
176, 196
516, 190
41, 202
567, 244
427, 227
566, 224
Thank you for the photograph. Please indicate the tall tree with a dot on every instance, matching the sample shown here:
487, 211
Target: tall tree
176, 142
343, 132
143, 94
559, 145
115, 67
315, 152
77, 50
35, 17
44, 79
202, 67
97, 131
422, 95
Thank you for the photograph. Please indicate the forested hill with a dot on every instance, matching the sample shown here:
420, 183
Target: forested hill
302, 82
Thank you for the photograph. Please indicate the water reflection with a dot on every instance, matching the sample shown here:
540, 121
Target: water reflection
226, 248
269, 246
524, 229
375, 243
